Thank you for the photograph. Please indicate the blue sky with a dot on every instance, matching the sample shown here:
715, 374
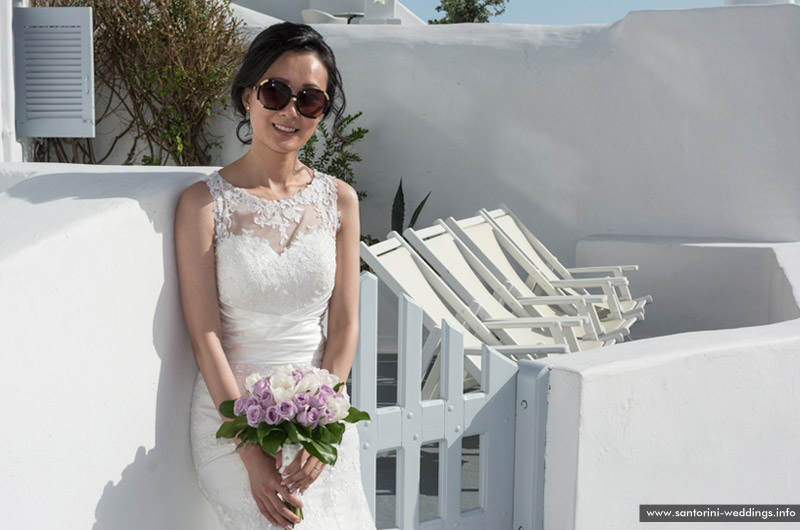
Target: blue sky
565, 12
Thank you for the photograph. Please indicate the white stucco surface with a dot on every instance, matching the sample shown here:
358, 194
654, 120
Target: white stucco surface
660, 124
98, 370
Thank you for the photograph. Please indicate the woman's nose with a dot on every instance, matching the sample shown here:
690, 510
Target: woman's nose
291, 108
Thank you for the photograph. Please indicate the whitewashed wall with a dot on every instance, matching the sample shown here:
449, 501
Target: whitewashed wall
97, 369
10, 150
694, 418
661, 124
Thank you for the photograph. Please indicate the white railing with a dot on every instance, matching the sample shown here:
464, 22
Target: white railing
490, 413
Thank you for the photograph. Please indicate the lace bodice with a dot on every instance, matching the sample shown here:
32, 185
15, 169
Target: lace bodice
275, 256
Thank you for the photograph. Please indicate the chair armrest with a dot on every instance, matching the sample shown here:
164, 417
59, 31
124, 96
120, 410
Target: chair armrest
522, 350
533, 322
590, 282
554, 300
611, 268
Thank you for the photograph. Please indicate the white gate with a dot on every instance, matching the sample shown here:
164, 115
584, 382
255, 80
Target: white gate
490, 413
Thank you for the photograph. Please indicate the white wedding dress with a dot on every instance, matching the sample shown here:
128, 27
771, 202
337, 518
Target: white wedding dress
276, 263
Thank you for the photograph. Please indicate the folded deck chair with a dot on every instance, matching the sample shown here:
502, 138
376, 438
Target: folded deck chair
485, 295
487, 242
542, 258
404, 272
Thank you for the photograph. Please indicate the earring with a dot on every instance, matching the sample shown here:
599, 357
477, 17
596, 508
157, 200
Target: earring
247, 114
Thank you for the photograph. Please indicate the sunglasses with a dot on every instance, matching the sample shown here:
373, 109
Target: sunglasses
274, 94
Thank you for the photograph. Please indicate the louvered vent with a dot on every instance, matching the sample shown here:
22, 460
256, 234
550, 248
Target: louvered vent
54, 72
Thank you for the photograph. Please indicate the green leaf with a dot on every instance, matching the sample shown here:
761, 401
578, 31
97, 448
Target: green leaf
398, 209
228, 429
333, 433
294, 435
338, 386
325, 452
226, 409
354, 415
417, 211
263, 430
273, 441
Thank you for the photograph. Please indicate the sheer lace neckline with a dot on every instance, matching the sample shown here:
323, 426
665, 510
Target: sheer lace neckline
226, 184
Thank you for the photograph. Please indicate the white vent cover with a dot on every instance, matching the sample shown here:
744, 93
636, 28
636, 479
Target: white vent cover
53, 72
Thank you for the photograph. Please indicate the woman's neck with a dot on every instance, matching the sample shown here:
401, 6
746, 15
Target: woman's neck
279, 172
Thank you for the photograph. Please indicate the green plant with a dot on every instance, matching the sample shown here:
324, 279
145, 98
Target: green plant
335, 156
469, 11
399, 209
163, 67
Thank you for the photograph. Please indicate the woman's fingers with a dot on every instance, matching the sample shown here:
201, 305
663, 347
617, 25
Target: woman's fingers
280, 511
305, 476
265, 512
296, 464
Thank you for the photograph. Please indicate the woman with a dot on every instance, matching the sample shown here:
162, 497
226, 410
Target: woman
265, 246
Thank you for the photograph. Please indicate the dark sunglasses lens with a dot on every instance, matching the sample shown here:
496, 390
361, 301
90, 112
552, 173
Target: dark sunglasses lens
311, 102
274, 95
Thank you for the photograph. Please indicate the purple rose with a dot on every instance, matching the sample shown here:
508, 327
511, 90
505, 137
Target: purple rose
325, 389
260, 386
272, 417
319, 401
287, 410
308, 417
255, 415
267, 400
338, 395
298, 375
302, 400
252, 401
326, 417
240, 405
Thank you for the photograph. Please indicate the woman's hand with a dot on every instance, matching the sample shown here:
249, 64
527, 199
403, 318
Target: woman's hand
265, 484
301, 473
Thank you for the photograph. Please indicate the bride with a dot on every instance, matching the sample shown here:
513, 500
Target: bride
265, 246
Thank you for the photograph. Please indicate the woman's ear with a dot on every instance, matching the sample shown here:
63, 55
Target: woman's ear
247, 96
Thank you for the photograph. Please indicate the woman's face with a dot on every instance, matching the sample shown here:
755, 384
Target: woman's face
286, 130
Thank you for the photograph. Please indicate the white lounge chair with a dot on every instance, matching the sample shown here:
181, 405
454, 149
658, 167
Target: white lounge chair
490, 244
404, 272
542, 258
315, 16
485, 295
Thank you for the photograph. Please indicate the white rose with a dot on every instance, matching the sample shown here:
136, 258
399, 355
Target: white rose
282, 394
282, 385
340, 408
309, 383
251, 380
285, 369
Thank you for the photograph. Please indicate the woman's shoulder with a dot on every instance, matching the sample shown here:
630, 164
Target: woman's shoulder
198, 194
196, 200
345, 194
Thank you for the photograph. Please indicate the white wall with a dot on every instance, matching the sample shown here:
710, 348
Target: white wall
10, 150
690, 418
694, 418
699, 284
97, 370
659, 124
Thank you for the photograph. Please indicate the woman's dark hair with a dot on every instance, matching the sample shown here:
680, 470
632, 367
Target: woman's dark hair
271, 44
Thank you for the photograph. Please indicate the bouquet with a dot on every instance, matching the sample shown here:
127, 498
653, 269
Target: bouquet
289, 410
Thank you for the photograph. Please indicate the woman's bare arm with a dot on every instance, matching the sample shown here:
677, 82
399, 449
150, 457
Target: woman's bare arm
342, 338
194, 248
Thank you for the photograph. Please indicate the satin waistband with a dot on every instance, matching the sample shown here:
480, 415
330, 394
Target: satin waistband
252, 337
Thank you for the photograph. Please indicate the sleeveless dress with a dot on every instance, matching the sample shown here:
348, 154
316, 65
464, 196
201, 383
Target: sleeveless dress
275, 266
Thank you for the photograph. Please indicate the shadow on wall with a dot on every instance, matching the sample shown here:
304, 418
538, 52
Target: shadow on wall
129, 307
